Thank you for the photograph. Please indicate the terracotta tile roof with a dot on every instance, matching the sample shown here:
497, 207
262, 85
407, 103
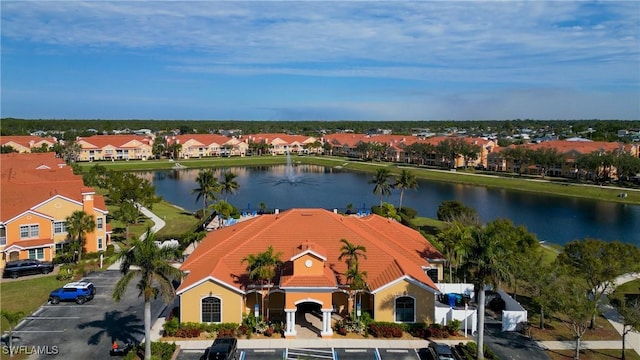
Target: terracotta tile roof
27, 141
286, 138
23, 186
118, 141
203, 139
288, 279
393, 250
26, 244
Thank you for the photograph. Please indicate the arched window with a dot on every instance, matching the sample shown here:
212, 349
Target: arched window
211, 310
405, 309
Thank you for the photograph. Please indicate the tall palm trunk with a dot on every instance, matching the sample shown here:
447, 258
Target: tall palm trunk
401, 196
147, 329
480, 355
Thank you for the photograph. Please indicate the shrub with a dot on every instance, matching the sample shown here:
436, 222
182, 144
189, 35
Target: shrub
386, 329
65, 273
454, 327
171, 326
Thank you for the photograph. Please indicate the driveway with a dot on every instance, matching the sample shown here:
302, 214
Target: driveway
71, 331
510, 344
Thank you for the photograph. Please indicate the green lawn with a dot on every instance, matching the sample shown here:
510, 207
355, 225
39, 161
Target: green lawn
632, 287
26, 295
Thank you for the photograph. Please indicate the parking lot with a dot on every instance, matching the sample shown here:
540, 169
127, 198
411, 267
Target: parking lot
326, 353
71, 331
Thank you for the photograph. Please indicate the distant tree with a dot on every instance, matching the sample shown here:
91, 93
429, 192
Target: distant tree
598, 164
569, 298
626, 165
224, 210
159, 146
13, 318
364, 150
539, 274
7, 149
454, 238
406, 180
545, 158
388, 211
598, 264
43, 148
208, 188
228, 184
79, 223
629, 311
381, 183
128, 187
128, 213
96, 176
454, 210
519, 155
262, 268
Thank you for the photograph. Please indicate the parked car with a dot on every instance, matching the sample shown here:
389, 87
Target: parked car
441, 351
221, 349
80, 293
16, 268
82, 284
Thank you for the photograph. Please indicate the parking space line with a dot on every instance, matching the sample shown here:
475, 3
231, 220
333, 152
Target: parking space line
51, 317
38, 331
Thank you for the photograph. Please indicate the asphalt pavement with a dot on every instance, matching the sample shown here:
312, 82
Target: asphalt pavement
71, 331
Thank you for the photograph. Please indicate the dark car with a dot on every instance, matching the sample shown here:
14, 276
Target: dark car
221, 349
441, 351
16, 268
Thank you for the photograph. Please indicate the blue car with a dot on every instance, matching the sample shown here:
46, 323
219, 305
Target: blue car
80, 292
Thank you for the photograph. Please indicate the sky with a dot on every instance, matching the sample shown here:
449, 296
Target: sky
320, 60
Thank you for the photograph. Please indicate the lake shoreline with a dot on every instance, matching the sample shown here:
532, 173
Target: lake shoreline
470, 177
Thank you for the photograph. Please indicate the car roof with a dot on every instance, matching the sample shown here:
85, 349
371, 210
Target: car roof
78, 284
442, 348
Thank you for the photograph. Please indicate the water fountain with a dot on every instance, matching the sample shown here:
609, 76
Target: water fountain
291, 176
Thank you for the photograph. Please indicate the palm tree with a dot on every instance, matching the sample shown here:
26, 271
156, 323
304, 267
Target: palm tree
207, 188
80, 223
262, 267
380, 180
156, 274
13, 318
485, 263
351, 252
454, 240
357, 281
229, 185
406, 180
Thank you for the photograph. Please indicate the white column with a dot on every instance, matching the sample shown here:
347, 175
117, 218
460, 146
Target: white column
291, 322
326, 323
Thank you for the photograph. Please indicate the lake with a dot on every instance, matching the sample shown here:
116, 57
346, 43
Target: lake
554, 219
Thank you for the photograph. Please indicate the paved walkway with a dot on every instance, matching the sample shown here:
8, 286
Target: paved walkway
157, 225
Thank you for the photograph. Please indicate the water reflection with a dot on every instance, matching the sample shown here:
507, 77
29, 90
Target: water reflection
552, 218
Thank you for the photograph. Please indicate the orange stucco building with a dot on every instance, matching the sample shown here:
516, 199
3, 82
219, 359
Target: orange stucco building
37, 193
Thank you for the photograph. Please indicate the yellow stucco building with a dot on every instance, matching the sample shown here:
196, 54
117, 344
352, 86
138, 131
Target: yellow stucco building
401, 267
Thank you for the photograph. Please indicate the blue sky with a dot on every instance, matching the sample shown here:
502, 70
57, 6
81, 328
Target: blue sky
308, 60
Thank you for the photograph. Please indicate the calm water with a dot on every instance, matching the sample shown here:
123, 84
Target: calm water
552, 218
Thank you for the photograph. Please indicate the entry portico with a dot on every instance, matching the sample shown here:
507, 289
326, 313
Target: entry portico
401, 267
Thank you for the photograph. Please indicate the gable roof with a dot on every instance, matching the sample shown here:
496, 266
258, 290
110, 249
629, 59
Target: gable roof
118, 141
28, 180
392, 249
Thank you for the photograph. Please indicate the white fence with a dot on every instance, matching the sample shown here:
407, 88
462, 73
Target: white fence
513, 314
467, 318
457, 288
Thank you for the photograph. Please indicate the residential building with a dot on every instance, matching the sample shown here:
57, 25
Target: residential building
207, 145
25, 143
281, 144
114, 147
402, 269
37, 193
